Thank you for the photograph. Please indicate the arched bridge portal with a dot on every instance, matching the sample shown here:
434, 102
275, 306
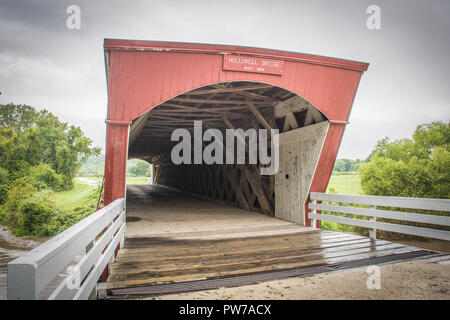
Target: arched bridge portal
157, 87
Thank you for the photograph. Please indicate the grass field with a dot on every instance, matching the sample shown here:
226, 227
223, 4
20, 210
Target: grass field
92, 178
137, 180
346, 184
81, 191
130, 180
343, 184
72, 198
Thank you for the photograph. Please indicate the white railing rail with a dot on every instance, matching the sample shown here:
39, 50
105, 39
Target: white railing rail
69, 265
378, 201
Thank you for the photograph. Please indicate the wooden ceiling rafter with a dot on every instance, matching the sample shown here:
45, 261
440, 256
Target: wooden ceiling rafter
224, 89
220, 106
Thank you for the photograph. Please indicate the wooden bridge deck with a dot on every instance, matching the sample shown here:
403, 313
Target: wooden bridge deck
175, 237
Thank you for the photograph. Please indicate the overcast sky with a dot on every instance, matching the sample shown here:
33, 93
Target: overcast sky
46, 65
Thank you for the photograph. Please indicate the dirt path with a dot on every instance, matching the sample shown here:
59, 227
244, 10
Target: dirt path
418, 279
89, 181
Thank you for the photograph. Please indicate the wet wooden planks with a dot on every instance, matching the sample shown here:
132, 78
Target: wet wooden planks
154, 260
224, 241
253, 278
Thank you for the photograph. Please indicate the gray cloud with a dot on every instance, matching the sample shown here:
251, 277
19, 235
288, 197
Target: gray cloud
46, 65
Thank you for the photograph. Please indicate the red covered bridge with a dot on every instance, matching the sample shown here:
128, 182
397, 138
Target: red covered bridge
155, 87
201, 226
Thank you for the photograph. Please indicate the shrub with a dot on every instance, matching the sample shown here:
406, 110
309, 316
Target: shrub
38, 216
44, 177
17, 191
29, 212
4, 179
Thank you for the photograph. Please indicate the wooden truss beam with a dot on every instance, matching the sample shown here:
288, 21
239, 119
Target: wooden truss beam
213, 101
229, 89
259, 116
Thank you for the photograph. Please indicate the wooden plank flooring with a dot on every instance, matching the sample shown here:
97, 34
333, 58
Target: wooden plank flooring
174, 237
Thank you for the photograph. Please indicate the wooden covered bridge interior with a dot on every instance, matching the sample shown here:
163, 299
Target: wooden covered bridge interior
224, 106
157, 87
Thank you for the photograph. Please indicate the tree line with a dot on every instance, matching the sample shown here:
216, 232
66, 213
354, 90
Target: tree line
416, 167
411, 167
95, 166
346, 166
38, 155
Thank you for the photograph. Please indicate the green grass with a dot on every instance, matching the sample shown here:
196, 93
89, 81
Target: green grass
137, 180
343, 184
81, 194
130, 180
93, 178
346, 184
73, 198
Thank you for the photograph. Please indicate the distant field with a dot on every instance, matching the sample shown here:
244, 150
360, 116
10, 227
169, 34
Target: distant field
93, 179
130, 180
347, 184
72, 198
137, 180
81, 191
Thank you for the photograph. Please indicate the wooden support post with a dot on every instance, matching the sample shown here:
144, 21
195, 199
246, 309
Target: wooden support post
238, 192
258, 189
252, 177
373, 231
115, 160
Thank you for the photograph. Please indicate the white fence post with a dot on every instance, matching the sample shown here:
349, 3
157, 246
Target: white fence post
373, 231
373, 213
83, 250
22, 284
122, 239
314, 222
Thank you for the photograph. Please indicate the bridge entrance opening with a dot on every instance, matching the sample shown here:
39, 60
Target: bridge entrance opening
139, 172
231, 106
156, 87
196, 212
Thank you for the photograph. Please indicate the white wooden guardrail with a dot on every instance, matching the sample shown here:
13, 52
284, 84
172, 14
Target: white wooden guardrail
85, 249
374, 213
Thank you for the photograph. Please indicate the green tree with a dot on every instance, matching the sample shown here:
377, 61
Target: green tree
94, 166
139, 169
4, 179
29, 138
346, 165
38, 154
417, 167
17, 117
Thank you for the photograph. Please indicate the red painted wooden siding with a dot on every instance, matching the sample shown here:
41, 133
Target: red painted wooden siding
143, 74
